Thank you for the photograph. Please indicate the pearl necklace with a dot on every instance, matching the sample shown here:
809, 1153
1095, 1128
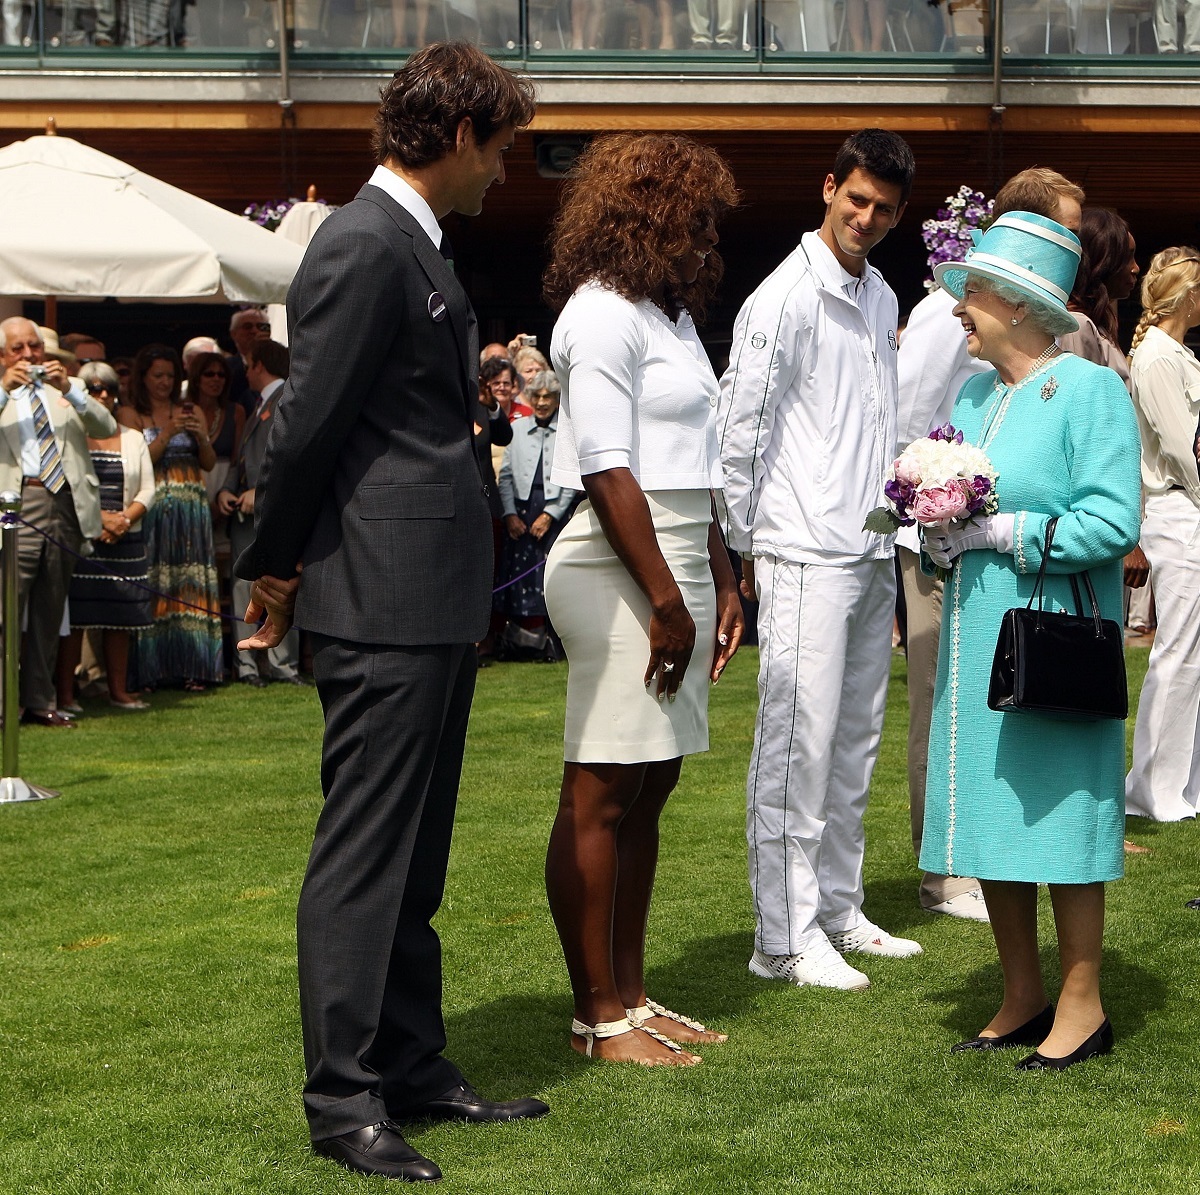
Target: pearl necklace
1004, 394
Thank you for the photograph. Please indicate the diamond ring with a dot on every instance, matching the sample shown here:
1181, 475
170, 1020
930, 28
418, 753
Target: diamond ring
668, 666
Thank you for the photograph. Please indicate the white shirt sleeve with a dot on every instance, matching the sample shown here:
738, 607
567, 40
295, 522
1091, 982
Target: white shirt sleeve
604, 343
764, 358
933, 350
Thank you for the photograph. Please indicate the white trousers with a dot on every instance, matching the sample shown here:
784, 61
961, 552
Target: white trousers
1164, 782
825, 639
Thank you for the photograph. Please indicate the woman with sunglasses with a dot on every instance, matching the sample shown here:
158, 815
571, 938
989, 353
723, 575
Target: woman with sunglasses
183, 647
209, 386
104, 594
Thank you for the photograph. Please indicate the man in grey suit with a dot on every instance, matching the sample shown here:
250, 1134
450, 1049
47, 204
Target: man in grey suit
370, 482
267, 370
45, 420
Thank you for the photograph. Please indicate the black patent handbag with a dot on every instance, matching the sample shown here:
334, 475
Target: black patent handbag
1056, 664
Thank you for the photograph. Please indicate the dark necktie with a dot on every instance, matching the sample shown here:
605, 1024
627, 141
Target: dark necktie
447, 251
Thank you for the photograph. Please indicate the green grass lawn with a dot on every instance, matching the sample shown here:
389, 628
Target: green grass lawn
149, 1036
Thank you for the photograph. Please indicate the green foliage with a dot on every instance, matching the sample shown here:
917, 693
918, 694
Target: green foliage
150, 1036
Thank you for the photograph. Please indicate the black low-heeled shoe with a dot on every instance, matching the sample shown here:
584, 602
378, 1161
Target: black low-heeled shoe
1035, 1030
1101, 1042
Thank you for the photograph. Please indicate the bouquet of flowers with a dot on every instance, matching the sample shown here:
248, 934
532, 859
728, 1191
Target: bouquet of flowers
269, 214
935, 482
948, 235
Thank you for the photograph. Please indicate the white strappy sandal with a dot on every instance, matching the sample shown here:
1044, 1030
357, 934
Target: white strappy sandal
604, 1029
639, 1016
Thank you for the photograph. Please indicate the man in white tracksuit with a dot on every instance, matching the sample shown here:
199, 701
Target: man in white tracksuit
807, 422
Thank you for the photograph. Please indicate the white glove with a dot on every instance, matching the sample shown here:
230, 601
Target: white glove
994, 531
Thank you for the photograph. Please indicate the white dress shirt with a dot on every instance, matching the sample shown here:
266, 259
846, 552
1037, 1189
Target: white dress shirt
638, 393
410, 200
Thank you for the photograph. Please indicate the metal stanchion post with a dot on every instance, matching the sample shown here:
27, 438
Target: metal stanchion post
12, 787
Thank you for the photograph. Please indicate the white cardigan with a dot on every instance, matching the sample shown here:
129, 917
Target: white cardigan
138, 469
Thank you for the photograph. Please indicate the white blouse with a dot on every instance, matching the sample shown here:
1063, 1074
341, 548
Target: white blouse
638, 393
1166, 393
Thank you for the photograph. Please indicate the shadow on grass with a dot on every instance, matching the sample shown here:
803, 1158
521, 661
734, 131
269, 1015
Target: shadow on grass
520, 1043
1130, 993
892, 903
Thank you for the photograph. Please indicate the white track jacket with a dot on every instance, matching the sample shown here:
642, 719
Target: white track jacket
807, 416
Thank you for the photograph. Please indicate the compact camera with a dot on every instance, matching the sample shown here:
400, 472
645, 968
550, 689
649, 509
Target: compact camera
37, 373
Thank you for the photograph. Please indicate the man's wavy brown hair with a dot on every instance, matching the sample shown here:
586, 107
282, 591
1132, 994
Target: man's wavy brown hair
631, 209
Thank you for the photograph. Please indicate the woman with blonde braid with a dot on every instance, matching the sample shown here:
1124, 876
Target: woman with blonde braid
1164, 782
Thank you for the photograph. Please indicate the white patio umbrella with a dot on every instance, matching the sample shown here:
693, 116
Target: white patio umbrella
78, 223
299, 223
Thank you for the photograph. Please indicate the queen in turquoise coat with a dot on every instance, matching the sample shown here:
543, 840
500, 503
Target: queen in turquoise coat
1021, 797
1018, 799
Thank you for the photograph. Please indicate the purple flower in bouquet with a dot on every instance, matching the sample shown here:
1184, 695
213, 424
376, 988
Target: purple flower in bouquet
947, 432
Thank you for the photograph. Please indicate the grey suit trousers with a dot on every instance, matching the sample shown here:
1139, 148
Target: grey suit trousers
369, 960
44, 574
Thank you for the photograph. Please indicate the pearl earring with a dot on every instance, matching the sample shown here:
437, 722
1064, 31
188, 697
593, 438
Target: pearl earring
1015, 321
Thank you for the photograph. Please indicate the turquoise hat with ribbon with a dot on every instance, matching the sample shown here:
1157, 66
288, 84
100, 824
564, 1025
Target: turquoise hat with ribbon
1029, 253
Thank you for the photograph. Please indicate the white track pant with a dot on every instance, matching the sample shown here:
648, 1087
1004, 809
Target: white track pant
1164, 782
825, 637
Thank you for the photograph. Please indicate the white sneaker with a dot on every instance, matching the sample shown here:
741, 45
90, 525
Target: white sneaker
870, 939
969, 905
820, 966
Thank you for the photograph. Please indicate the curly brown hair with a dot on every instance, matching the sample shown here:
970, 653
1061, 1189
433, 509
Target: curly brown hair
631, 209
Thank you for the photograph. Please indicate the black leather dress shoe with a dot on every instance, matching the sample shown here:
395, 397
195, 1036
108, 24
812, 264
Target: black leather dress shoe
1192, 904
1101, 1042
465, 1103
1035, 1030
300, 681
253, 680
379, 1149
48, 718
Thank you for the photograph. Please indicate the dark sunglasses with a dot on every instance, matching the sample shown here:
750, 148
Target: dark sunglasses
98, 388
214, 373
258, 327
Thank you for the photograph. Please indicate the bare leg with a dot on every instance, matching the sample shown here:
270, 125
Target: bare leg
116, 664
581, 882
422, 24
856, 22
1012, 908
399, 15
580, 14
666, 21
877, 10
1079, 919
70, 651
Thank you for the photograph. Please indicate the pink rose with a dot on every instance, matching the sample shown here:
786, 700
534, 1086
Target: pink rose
907, 470
936, 506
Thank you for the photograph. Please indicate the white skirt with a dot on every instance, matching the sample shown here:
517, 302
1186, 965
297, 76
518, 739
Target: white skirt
603, 619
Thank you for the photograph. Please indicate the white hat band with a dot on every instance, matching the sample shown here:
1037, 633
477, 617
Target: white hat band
1047, 234
1007, 267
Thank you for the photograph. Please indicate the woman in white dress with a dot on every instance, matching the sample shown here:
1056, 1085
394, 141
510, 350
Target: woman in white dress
639, 580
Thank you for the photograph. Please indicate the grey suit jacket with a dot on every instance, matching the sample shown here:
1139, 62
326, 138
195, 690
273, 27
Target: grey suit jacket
71, 430
252, 449
370, 476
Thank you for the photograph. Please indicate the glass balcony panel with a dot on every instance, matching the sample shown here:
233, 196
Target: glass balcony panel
928, 36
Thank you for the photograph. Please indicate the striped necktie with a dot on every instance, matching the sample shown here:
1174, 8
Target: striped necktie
51, 474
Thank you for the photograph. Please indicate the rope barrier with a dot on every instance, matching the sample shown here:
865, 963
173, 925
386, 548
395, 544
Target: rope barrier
11, 520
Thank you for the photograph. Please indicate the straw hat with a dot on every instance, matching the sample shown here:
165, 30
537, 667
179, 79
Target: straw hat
1027, 252
50, 348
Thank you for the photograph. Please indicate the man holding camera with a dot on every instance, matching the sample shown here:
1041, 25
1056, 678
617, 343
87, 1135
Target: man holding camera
45, 420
